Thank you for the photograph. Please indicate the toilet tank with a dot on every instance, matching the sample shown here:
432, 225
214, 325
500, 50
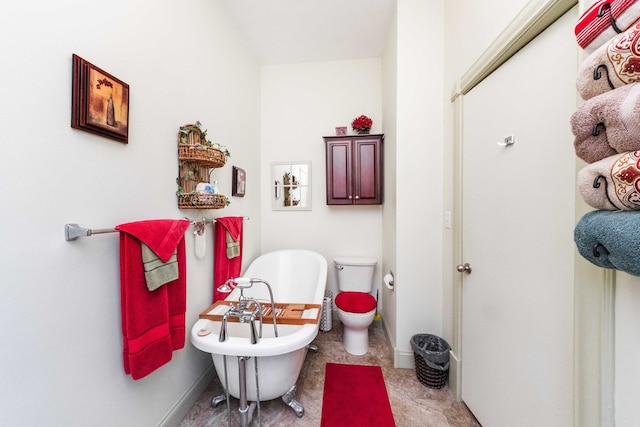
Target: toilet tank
355, 273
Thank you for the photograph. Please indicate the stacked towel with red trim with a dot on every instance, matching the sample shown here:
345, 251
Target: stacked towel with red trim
607, 133
612, 65
594, 28
612, 183
153, 322
608, 122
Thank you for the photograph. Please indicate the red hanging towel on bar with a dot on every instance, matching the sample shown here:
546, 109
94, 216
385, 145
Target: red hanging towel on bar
227, 252
153, 322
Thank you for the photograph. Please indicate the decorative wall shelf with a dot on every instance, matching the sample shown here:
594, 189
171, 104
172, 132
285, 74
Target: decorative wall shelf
197, 158
206, 156
202, 201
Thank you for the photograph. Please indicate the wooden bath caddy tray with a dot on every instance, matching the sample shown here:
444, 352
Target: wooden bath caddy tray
286, 313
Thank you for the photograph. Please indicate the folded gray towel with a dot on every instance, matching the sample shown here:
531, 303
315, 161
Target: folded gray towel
157, 272
610, 239
612, 183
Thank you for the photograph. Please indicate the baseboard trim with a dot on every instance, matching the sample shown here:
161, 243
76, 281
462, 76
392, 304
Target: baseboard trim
455, 377
177, 413
401, 359
404, 359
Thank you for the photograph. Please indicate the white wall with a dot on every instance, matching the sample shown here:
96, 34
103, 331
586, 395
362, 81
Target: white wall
470, 28
60, 303
300, 104
389, 220
627, 347
420, 31
186, 62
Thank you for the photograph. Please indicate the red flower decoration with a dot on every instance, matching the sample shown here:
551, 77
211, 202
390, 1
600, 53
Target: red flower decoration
362, 123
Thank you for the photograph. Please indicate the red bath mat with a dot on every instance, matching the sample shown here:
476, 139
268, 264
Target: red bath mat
355, 395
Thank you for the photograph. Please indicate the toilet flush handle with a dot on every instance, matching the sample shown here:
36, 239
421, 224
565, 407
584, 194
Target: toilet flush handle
339, 267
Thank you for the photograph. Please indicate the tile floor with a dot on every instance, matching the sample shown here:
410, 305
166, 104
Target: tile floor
412, 403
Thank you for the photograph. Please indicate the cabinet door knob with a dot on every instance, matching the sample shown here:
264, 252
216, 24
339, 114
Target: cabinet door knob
350, 197
357, 197
464, 268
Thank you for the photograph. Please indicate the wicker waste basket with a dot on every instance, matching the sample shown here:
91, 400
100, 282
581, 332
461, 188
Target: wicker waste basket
325, 314
431, 355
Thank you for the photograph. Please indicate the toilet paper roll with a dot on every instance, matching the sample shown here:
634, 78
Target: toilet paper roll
388, 280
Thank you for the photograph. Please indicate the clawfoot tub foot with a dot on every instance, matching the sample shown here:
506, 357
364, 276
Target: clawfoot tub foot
289, 399
217, 400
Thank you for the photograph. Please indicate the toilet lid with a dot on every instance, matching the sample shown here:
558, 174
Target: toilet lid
355, 302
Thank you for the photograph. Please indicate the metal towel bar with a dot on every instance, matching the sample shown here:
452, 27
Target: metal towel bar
73, 231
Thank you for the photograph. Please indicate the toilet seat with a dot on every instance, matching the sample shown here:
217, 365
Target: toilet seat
355, 302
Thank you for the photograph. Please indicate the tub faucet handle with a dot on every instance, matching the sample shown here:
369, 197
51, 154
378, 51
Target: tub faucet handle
243, 282
223, 328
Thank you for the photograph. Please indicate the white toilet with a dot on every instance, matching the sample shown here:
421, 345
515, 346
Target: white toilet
356, 306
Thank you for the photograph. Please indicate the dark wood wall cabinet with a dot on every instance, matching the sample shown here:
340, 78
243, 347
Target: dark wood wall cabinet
354, 169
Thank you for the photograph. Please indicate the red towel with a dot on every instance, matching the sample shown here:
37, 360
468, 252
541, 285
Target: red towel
224, 268
153, 322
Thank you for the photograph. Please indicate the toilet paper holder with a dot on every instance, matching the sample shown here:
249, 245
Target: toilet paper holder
389, 280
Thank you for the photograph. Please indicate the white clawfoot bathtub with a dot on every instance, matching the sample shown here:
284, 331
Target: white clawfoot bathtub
295, 276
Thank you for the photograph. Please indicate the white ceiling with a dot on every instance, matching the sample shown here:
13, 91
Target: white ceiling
295, 31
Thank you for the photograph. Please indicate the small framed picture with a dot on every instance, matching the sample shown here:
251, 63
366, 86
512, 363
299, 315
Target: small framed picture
239, 182
341, 131
99, 101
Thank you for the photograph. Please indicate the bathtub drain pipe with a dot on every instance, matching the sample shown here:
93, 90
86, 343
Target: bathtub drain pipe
226, 391
255, 364
246, 410
242, 374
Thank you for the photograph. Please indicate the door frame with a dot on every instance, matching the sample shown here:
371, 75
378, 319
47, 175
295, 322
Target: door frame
594, 318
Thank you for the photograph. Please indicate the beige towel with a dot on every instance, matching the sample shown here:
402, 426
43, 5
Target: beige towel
233, 247
608, 124
157, 272
612, 183
612, 65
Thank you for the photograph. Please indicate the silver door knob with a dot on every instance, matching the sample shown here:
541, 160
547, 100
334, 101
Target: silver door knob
466, 268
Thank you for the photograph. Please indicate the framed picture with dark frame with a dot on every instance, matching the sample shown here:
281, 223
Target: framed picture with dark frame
239, 182
100, 101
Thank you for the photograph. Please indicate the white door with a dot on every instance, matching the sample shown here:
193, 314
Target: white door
518, 220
